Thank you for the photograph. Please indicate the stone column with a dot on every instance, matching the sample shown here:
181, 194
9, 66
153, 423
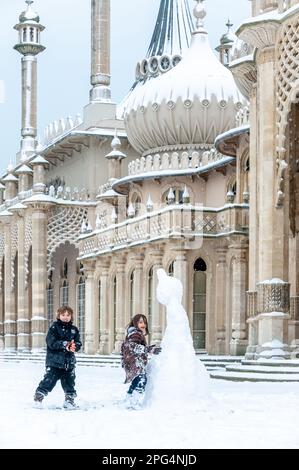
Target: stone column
39, 277
239, 342
253, 185
271, 227
100, 50
104, 310
121, 300
252, 324
293, 326
23, 321
180, 271
10, 326
157, 308
220, 304
90, 309
137, 285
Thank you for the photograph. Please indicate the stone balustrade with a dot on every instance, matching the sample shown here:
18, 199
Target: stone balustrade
68, 194
60, 127
191, 223
174, 161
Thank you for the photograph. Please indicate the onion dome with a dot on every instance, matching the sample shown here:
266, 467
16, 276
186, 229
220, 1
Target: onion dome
29, 14
170, 40
188, 106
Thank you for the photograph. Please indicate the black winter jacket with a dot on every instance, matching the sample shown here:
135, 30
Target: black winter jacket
57, 338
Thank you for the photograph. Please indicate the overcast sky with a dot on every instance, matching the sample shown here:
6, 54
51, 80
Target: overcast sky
64, 68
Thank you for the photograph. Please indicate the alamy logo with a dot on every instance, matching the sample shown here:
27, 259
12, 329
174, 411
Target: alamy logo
2, 91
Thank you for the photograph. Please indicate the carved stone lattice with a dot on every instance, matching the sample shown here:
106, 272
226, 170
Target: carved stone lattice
28, 243
64, 225
287, 93
273, 297
294, 308
211, 224
251, 303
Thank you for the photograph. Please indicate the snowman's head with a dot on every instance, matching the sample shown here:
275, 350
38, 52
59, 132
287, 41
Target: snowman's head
169, 288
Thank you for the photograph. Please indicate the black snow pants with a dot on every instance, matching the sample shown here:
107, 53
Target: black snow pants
53, 374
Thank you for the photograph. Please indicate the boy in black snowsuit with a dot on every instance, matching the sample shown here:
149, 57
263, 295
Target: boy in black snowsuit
62, 340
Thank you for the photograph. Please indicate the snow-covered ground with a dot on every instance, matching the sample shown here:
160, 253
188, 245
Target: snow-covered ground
239, 415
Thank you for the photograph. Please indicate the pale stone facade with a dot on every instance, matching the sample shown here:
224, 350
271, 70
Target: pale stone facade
84, 225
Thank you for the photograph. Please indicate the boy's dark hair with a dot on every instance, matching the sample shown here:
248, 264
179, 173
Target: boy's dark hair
135, 320
65, 308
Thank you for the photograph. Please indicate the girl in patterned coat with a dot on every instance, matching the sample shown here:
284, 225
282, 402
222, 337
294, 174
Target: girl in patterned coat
135, 354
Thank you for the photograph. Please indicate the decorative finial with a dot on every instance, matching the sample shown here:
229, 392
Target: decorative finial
29, 2
199, 13
10, 167
116, 143
229, 24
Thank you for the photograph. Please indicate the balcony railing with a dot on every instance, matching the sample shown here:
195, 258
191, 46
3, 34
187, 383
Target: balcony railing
174, 161
57, 128
185, 222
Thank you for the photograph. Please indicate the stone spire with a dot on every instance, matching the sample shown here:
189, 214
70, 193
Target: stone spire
29, 46
100, 51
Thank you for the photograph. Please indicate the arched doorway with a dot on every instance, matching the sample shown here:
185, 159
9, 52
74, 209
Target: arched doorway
199, 304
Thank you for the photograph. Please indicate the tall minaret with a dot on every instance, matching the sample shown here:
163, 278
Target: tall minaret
100, 51
29, 46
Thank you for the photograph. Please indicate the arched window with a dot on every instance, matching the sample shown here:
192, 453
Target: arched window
150, 298
25, 35
171, 269
65, 268
100, 307
136, 202
199, 304
131, 295
50, 304
31, 35
246, 179
231, 190
64, 293
114, 307
64, 289
177, 196
81, 308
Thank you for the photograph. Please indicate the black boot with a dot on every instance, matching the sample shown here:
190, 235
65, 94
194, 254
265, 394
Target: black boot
38, 397
69, 402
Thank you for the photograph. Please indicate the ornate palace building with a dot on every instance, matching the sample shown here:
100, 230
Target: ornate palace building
195, 171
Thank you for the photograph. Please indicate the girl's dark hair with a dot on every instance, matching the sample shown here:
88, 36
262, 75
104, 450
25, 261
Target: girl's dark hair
64, 308
135, 320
